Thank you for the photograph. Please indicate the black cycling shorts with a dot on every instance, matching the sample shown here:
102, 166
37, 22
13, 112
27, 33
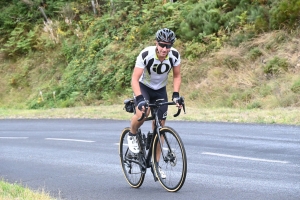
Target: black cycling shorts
152, 95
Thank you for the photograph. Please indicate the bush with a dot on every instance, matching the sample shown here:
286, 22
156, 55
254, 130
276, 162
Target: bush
296, 87
285, 14
254, 105
194, 50
255, 53
21, 41
276, 65
202, 19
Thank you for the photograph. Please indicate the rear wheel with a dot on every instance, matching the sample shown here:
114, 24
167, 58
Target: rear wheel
130, 162
171, 163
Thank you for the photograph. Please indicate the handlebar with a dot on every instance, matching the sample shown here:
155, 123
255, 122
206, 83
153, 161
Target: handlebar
158, 104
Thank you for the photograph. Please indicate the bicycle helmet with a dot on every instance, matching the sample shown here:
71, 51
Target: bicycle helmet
165, 35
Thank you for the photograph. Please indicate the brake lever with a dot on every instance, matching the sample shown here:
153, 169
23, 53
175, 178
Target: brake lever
178, 113
180, 102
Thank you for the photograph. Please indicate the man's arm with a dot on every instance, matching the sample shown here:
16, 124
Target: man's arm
137, 73
176, 78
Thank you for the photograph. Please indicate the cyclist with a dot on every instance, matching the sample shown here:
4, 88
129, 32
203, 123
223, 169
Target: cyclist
149, 80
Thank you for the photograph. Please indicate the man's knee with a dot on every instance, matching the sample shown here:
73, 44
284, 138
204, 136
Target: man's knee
163, 122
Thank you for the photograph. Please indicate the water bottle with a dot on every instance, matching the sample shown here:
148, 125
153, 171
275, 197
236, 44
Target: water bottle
149, 138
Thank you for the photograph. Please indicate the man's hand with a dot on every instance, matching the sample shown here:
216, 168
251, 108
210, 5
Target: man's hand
141, 103
143, 106
175, 99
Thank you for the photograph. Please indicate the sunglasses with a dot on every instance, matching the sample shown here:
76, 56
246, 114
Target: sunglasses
168, 46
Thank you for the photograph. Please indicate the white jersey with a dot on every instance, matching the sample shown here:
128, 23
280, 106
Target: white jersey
155, 73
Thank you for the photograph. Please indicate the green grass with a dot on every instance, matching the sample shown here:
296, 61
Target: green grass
288, 116
18, 192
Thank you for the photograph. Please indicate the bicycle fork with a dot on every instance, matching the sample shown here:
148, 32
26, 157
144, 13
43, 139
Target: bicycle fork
168, 156
150, 163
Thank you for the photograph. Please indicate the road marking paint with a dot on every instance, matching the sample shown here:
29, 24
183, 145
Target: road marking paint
166, 149
119, 144
72, 140
244, 158
15, 138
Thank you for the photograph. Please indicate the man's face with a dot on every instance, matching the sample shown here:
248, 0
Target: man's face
163, 48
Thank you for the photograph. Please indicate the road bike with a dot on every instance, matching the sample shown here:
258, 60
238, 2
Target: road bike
162, 150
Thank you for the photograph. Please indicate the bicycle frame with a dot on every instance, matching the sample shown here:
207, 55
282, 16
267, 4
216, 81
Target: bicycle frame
167, 159
157, 126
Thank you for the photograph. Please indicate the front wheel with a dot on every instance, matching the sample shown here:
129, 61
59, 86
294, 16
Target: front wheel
170, 163
130, 162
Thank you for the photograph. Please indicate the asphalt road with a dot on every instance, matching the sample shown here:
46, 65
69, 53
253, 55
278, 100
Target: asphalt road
78, 159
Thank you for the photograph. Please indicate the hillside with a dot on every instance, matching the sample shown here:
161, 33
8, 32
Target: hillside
261, 73
81, 59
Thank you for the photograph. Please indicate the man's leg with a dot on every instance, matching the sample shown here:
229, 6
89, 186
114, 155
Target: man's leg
135, 124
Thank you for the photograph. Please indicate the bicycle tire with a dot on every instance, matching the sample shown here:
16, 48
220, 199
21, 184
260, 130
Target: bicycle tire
130, 162
175, 164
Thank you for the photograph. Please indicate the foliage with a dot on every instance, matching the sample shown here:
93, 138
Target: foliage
285, 14
254, 53
21, 40
200, 20
95, 67
96, 52
194, 50
276, 65
296, 87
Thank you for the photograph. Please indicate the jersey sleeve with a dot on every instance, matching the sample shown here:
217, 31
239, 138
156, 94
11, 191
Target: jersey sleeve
177, 62
140, 60
176, 57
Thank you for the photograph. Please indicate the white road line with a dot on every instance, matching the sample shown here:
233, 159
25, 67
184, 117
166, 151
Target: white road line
166, 149
72, 140
119, 144
244, 158
15, 138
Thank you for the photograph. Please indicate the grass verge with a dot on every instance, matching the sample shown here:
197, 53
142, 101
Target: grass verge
16, 191
287, 116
